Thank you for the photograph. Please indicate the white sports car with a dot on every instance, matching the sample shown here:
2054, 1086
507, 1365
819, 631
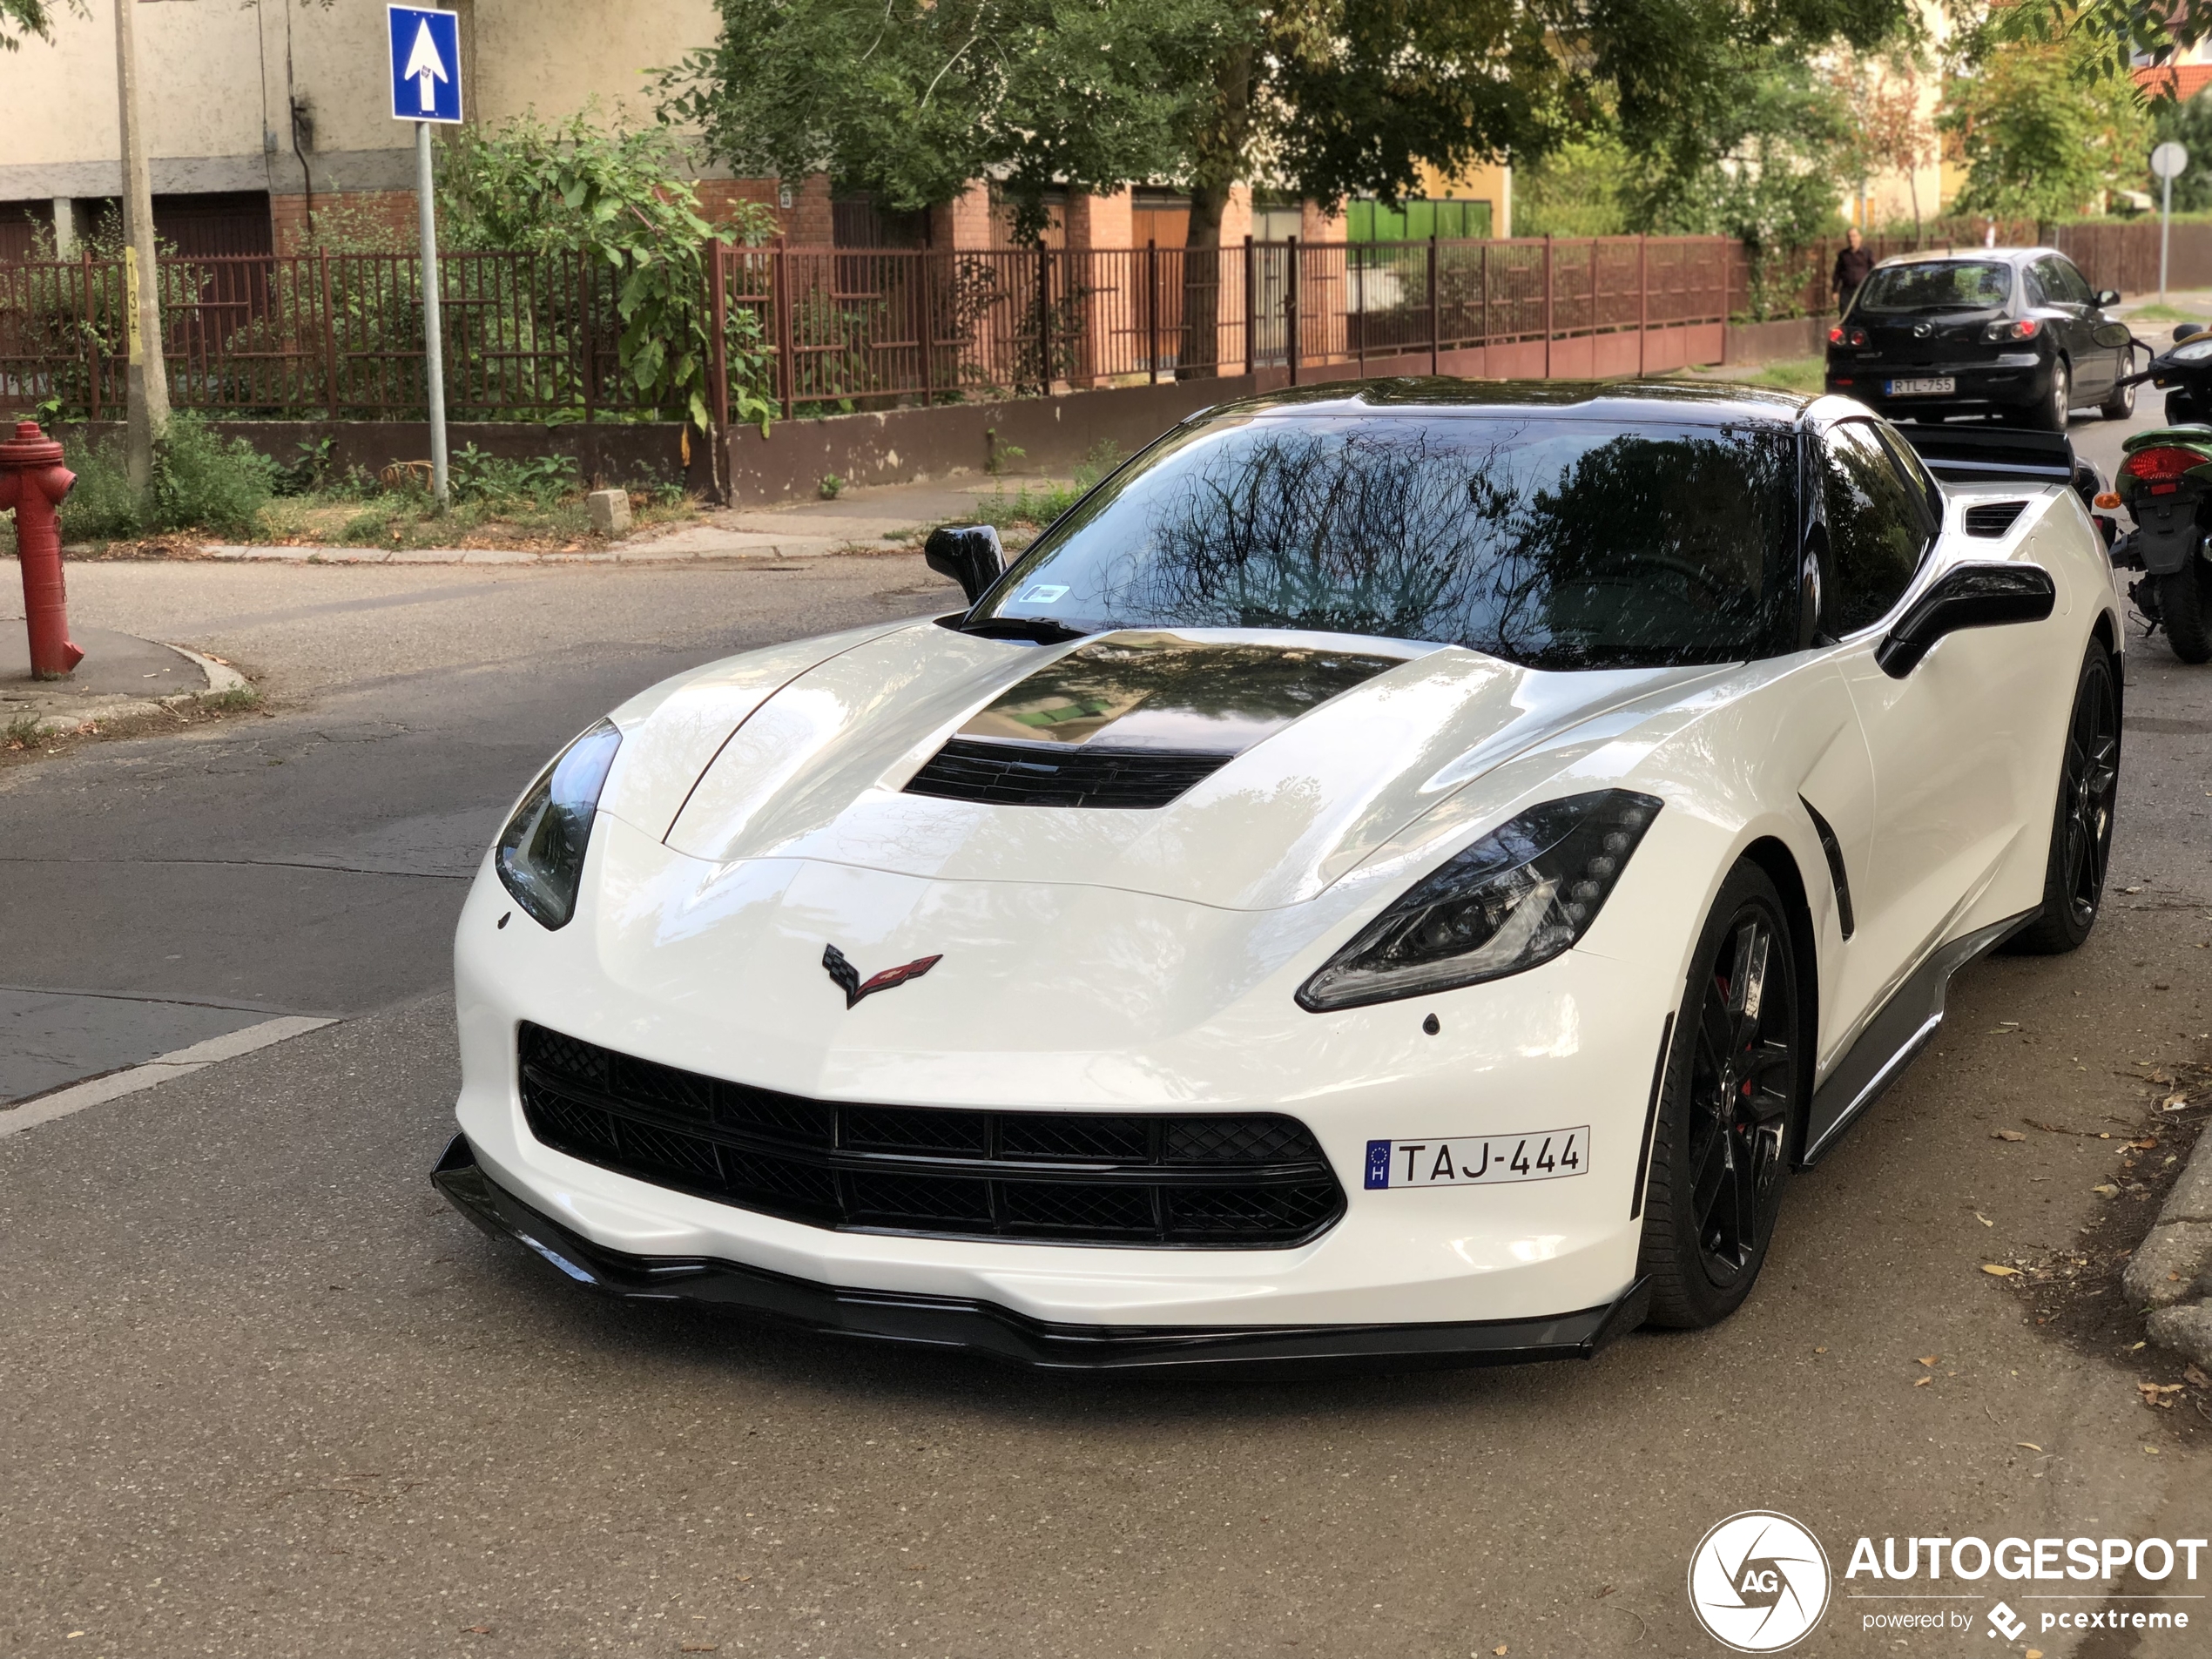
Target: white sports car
1396, 875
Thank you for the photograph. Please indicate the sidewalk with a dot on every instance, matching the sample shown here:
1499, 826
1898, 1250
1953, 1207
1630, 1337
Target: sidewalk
885, 518
122, 678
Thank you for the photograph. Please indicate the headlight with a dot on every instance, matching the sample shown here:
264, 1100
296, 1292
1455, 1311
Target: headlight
541, 851
2195, 352
1514, 899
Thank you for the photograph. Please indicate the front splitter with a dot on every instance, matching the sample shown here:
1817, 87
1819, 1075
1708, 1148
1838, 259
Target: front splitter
1249, 1353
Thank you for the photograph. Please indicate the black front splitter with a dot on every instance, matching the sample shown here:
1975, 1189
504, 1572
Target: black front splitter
1248, 1353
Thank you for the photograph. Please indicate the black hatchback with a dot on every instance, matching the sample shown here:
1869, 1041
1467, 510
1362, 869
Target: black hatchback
2013, 332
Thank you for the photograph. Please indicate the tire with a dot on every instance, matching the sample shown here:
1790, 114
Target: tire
2182, 606
2081, 853
2120, 406
2050, 414
1730, 1110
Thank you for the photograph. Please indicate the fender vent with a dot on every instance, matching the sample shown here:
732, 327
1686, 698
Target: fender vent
1832, 850
1993, 518
1213, 1181
1060, 774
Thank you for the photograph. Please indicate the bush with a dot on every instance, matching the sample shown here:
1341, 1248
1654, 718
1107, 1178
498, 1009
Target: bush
204, 480
540, 479
101, 507
201, 480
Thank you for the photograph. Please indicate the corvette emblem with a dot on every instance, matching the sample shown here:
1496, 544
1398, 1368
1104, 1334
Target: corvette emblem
849, 980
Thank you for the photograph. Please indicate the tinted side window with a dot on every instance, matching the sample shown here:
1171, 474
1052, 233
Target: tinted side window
1875, 535
1926, 494
2077, 288
2038, 289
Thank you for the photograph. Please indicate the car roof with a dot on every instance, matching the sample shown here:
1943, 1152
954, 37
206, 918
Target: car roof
1985, 255
1681, 402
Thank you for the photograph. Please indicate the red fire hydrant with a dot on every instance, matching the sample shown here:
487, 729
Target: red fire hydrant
34, 483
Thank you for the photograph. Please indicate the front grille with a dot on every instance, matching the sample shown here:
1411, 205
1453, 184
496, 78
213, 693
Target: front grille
1217, 1181
1058, 774
1993, 518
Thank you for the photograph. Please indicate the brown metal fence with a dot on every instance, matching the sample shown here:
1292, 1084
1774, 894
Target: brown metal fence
857, 326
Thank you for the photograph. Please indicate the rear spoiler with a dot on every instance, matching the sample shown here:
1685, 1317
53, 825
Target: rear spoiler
1979, 455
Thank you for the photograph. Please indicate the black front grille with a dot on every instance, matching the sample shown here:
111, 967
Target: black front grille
1059, 774
1218, 1182
1993, 518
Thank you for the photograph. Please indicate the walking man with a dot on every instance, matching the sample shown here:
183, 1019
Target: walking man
1853, 263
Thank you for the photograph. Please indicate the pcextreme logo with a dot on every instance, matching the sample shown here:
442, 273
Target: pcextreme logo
1759, 1581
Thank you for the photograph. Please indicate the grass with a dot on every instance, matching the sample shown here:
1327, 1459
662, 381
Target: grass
1039, 507
2156, 312
1797, 375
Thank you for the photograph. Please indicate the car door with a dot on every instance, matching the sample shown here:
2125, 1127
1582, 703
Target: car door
1945, 742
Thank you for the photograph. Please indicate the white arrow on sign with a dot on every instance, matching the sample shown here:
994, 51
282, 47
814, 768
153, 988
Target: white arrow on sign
424, 65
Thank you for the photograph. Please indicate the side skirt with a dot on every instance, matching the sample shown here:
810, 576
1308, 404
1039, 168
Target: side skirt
1898, 1031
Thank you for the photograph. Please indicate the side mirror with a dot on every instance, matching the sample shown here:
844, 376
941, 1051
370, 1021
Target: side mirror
1971, 596
970, 554
2107, 296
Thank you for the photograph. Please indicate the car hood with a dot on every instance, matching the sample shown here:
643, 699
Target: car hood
1335, 745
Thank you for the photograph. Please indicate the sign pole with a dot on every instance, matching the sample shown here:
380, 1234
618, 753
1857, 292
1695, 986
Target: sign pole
2165, 233
433, 361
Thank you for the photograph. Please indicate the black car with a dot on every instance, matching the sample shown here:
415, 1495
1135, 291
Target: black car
2013, 332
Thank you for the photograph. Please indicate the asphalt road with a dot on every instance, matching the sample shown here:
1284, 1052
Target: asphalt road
261, 1393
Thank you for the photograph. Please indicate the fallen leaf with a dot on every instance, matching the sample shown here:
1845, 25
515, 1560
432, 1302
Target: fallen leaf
1820, 1350
1930, 1358
2194, 1378
2106, 1189
2175, 1102
2150, 1451
2034, 1653
2027, 1445
2007, 1135
1500, 1648
1984, 1220
1998, 1271
1922, 1382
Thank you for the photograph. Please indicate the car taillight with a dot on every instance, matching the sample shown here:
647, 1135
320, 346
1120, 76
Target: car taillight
1840, 335
2020, 328
2162, 465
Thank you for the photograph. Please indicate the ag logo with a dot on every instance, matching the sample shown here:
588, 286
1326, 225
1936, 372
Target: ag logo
1759, 1581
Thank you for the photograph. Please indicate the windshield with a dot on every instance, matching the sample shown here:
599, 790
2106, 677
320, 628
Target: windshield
1948, 285
1550, 541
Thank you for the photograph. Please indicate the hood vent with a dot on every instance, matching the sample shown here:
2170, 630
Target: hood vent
1053, 774
1993, 518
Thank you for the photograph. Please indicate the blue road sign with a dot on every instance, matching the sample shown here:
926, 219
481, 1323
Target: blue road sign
426, 64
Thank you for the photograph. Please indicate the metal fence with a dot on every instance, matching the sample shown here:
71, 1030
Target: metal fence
862, 326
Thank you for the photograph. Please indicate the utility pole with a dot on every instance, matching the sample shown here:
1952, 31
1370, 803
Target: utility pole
146, 379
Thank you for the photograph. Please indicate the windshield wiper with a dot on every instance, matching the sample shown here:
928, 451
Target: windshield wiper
1042, 630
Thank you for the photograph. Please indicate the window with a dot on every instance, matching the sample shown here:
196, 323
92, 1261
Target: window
1919, 480
1553, 542
2073, 284
1876, 528
1938, 285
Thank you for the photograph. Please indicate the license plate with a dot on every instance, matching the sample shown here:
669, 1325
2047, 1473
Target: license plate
1479, 1160
1933, 386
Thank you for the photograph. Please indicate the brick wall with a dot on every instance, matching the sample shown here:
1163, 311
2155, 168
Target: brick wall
351, 216
805, 223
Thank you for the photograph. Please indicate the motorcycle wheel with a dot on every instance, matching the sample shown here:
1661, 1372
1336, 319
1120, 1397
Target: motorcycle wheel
2182, 606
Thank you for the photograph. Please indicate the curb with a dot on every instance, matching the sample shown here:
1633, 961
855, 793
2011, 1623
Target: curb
2169, 1277
222, 679
643, 553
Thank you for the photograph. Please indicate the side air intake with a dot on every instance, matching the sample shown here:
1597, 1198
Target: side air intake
1993, 518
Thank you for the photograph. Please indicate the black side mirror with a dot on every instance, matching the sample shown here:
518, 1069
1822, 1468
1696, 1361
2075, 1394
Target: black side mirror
970, 554
2107, 296
1973, 596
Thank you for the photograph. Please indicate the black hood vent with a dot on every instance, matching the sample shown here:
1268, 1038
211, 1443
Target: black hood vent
1993, 518
1053, 774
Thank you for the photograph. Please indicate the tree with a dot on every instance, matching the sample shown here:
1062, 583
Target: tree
910, 100
2189, 126
1889, 134
2045, 129
21, 18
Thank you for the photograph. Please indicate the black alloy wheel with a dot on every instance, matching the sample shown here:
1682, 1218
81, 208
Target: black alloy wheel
1728, 1111
2073, 880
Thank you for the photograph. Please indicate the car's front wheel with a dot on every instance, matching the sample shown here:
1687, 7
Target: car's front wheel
1729, 1110
2073, 874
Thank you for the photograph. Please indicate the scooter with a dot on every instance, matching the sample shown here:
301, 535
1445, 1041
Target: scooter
2166, 486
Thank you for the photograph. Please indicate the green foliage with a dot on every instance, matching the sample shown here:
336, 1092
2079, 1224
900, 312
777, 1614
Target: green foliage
204, 480
100, 507
1574, 191
912, 99
615, 199
2045, 132
1040, 506
308, 471
541, 479
21, 17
